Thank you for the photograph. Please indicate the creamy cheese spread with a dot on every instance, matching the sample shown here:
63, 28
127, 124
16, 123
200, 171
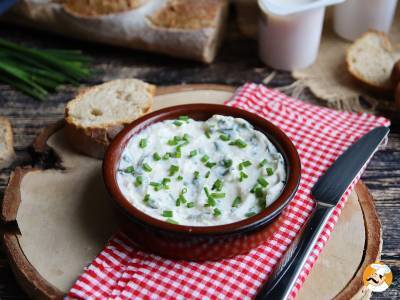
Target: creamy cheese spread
201, 173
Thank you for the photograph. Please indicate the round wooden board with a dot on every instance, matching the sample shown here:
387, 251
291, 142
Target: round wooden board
48, 251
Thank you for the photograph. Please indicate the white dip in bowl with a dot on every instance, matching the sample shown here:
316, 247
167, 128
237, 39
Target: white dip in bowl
201, 173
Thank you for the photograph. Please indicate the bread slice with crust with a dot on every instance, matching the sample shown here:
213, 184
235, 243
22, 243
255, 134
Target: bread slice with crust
7, 154
97, 114
370, 60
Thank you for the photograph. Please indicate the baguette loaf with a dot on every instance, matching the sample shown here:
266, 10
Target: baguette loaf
189, 29
7, 154
370, 60
97, 114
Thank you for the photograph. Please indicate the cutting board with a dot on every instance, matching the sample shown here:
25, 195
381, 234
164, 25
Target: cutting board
56, 220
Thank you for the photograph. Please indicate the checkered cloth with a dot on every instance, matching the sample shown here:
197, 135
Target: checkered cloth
320, 135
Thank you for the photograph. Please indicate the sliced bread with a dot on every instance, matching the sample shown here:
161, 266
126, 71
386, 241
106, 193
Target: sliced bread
370, 60
91, 8
97, 114
7, 154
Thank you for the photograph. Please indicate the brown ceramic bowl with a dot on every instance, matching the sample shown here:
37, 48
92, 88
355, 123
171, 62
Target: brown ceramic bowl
195, 242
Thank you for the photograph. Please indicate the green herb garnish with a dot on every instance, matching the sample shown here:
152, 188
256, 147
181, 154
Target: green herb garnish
183, 118
143, 143
210, 165
169, 220
167, 213
166, 156
262, 181
216, 212
186, 138
270, 171
196, 174
218, 195
129, 170
236, 202
138, 181
207, 132
177, 123
227, 163
173, 169
207, 174
146, 198
244, 164
190, 205
262, 163
179, 178
217, 185
193, 153
156, 156
146, 167
238, 143
250, 214
243, 176
204, 159
224, 137
157, 186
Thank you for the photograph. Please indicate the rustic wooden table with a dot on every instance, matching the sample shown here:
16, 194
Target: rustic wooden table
237, 63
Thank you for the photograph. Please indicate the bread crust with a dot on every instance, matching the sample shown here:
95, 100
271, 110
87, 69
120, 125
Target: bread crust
128, 28
386, 89
94, 140
8, 155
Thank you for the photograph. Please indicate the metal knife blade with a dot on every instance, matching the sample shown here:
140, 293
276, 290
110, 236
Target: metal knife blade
327, 191
335, 181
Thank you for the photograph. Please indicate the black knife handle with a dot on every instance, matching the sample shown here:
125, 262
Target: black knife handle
280, 285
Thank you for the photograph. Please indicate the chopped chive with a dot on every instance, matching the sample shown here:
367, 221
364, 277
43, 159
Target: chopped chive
217, 185
173, 169
238, 143
174, 141
181, 199
244, 164
183, 118
177, 123
270, 171
218, 195
129, 170
186, 138
262, 181
206, 191
210, 165
258, 192
177, 154
184, 190
227, 163
207, 132
254, 188
166, 156
262, 163
190, 205
207, 174
236, 202
138, 181
216, 212
165, 180
193, 153
178, 202
157, 186
156, 156
224, 137
143, 143
204, 159
169, 220
250, 214
146, 198
167, 213
179, 178
146, 167
196, 174
243, 176
210, 202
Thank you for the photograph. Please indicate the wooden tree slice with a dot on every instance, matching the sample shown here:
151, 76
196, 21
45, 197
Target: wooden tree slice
33, 192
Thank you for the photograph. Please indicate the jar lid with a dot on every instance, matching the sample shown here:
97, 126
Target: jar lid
287, 7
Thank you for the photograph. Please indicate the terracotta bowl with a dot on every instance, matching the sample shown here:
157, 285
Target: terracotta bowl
195, 242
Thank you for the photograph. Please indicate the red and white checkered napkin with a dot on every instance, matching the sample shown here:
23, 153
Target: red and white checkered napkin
320, 135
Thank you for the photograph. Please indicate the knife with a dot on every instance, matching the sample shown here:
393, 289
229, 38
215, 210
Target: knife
327, 193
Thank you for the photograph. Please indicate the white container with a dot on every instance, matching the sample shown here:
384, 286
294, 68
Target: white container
290, 32
354, 17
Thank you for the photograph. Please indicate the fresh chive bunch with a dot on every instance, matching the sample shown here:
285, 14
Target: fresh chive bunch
37, 72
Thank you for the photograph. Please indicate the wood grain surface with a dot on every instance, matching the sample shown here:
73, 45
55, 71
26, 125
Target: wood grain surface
236, 63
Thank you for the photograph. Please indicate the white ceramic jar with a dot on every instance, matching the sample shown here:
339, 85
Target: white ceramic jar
354, 17
290, 32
